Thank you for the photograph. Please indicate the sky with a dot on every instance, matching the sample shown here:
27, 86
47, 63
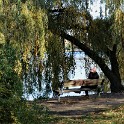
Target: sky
95, 9
122, 7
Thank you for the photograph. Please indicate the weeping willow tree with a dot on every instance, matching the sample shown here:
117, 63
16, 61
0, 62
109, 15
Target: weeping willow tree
98, 38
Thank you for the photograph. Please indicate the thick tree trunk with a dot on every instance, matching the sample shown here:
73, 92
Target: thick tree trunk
115, 82
114, 62
116, 79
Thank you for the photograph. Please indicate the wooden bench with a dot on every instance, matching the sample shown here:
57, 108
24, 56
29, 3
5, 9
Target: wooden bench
85, 85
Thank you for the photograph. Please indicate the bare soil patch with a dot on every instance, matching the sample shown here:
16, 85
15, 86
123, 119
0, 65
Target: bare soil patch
76, 106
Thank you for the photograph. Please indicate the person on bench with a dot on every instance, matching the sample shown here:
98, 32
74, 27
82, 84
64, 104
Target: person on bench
92, 75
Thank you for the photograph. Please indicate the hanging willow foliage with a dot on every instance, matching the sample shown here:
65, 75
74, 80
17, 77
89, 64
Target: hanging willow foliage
69, 20
22, 23
119, 37
118, 26
58, 61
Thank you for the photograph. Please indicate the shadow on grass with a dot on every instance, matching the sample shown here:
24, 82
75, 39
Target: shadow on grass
76, 113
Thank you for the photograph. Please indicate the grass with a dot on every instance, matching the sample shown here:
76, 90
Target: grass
113, 116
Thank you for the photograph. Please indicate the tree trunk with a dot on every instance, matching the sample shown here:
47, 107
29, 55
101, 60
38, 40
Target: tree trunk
115, 82
116, 79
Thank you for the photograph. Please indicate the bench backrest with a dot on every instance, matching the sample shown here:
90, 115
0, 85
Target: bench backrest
82, 82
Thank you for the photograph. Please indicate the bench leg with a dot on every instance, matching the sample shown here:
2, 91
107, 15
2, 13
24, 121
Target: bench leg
98, 94
86, 93
98, 91
59, 98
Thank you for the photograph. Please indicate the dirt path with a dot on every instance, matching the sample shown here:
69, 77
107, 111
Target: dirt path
80, 105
